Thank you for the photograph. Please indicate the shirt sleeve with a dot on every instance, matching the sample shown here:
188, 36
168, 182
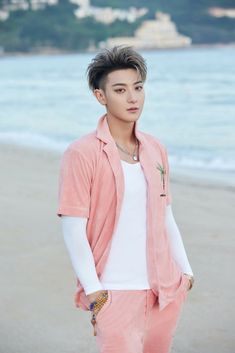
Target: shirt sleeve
176, 242
75, 181
74, 232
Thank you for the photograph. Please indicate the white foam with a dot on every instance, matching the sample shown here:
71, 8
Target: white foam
38, 141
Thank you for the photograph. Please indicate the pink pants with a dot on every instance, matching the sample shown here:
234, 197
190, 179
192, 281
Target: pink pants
130, 322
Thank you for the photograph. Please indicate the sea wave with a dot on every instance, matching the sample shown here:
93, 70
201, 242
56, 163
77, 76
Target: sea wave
213, 163
34, 140
194, 159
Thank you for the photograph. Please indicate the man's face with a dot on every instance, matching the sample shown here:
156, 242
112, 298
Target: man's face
123, 92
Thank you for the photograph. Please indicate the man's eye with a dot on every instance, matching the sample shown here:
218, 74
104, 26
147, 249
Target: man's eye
139, 88
119, 90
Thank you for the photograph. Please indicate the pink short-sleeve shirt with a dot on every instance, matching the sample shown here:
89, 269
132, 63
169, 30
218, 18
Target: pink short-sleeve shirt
91, 185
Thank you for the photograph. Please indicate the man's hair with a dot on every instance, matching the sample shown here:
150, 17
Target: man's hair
116, 58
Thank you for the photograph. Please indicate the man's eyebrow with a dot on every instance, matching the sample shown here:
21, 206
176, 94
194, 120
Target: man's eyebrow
124, 84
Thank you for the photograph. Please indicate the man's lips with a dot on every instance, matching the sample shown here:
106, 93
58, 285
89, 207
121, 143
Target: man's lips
133, 109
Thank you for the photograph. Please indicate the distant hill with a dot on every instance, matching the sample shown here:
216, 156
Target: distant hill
166, 5
191, 17
57, 27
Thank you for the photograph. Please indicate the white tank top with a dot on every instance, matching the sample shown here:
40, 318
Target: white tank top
126, 266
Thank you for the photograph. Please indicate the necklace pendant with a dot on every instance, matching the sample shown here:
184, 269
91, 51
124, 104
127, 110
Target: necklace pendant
135, 157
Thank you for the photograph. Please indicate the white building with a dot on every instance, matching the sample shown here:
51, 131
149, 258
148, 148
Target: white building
108, 14
153, 34
101, 14
14, 5
221, 12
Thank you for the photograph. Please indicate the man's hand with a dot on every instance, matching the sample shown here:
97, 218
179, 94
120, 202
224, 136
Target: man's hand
94, 295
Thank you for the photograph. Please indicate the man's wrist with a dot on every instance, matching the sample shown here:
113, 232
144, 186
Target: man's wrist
92, 296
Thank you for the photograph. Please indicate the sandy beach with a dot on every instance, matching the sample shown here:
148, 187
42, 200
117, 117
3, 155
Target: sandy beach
38, 283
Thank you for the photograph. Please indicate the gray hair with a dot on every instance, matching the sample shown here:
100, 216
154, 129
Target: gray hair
116, 58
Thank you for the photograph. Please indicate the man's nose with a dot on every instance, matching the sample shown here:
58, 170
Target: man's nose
132, 97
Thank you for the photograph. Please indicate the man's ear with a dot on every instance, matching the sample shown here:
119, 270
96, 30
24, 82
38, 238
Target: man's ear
100, 96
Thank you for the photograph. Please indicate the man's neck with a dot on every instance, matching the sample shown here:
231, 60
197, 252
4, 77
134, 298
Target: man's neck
122, 132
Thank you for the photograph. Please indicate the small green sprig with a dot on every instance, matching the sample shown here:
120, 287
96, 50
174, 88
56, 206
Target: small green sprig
163, 173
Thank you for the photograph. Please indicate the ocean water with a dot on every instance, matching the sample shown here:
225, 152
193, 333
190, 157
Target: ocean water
45, 103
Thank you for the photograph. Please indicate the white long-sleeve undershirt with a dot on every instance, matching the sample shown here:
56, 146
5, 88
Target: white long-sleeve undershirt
74, 232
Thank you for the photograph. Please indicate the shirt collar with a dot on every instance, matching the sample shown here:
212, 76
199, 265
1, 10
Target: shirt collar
103, 132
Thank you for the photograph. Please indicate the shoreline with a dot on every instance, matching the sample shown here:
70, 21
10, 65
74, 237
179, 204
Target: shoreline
191, 177
55, 51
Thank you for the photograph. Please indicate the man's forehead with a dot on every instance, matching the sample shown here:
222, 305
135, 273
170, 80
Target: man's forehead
123, 76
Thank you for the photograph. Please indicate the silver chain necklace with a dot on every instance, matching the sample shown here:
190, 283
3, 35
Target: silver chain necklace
133, 155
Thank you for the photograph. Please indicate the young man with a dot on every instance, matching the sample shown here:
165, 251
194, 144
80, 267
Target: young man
132, 270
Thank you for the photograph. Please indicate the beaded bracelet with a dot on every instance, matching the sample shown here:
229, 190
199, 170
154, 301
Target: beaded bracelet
95, 307
191, 280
